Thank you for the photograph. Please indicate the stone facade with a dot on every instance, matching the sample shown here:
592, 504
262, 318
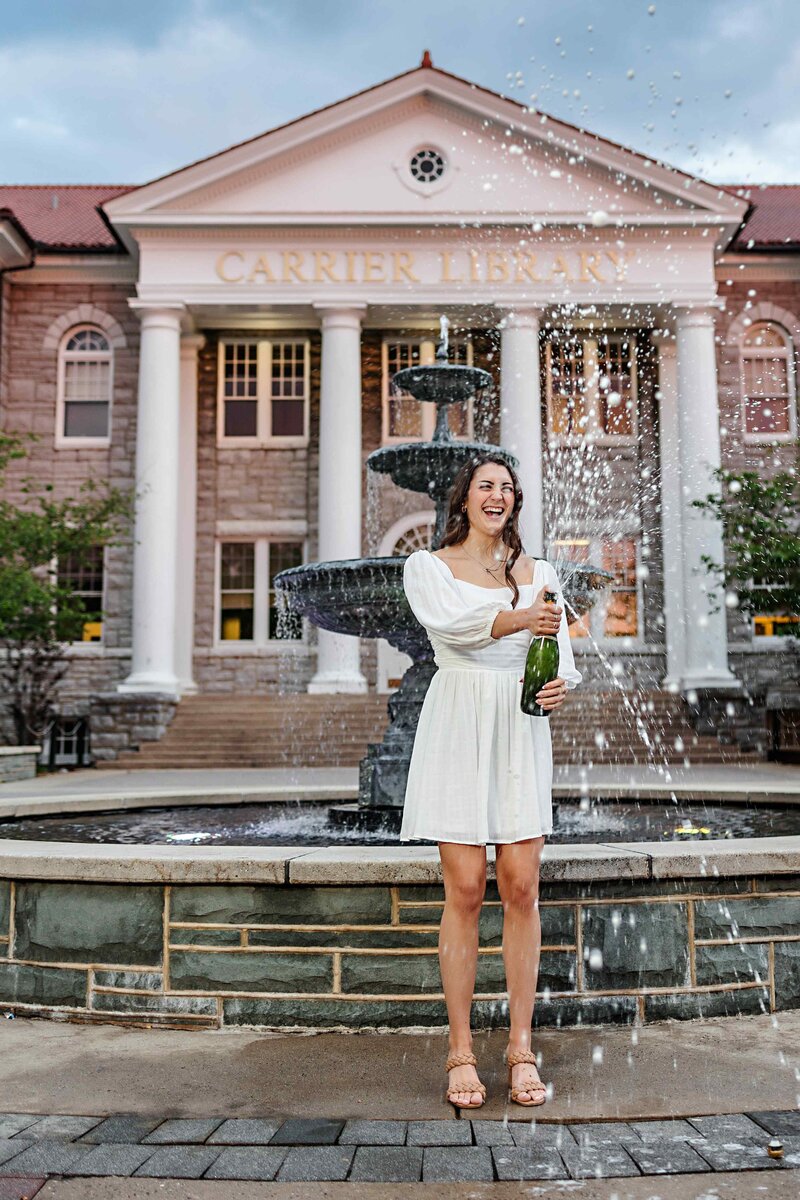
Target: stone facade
272, 484
322, 956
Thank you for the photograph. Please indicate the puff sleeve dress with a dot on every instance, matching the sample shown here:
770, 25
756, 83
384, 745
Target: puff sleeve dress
481, 770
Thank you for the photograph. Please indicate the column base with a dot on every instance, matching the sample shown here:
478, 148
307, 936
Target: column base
330, 682
167, 685
711, 681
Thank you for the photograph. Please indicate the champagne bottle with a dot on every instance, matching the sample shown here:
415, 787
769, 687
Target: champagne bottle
541, 666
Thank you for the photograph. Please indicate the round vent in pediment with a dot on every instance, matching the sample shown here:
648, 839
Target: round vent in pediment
427, 165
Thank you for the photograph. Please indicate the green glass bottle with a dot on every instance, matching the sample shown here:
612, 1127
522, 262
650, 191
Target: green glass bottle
541, 666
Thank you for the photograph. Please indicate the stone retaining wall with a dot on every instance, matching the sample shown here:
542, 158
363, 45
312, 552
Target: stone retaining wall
288, 954
18, 762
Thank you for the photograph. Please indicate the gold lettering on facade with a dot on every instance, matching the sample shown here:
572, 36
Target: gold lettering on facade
447, 277
526, 267
590, 264
497, 267
487, 267
261, 267
618, 262
373, 261
292, 266
403, 261
324, 266
222, 266
560, 267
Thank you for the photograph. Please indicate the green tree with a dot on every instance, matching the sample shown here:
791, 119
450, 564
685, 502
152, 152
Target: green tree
39, 617
761, 528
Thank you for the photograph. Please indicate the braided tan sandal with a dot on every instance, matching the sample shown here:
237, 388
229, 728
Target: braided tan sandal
463, 1060
513, 1059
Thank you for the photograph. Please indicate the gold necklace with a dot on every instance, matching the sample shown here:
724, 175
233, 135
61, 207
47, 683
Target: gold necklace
488, 570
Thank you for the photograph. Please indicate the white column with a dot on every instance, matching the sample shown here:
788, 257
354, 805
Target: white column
187, 514
340, 480
671, 504
155, 551
706, 663
521, 416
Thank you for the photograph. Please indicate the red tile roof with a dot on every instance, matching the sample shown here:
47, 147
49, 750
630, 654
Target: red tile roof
63, 216
775, 222
66, 217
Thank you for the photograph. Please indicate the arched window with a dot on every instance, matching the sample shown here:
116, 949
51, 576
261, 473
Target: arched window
85, 380
417, 537
768, 386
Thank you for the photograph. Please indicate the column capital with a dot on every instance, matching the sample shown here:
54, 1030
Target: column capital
340, 316
526, 316
695, 316
191, 344
664, 342
167, 316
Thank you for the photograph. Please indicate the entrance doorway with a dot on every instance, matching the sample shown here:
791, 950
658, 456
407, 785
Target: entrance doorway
405, 536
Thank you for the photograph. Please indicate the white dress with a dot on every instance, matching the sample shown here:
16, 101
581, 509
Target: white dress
481, 770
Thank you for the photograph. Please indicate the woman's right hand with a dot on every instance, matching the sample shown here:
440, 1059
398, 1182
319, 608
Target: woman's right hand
543, 616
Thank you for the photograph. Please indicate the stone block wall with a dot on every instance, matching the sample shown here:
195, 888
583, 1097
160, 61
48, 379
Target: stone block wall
282, 484
309, 956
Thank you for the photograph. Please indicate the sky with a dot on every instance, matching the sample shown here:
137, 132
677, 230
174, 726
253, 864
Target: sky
124, 92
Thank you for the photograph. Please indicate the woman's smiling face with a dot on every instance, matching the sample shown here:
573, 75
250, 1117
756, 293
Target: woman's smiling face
490, 499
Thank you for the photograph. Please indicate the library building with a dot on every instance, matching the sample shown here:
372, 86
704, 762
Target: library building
221, 342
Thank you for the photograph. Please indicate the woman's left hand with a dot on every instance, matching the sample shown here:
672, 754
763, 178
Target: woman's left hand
552, 694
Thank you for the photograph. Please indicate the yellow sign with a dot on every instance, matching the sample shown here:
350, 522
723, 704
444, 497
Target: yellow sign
469, 266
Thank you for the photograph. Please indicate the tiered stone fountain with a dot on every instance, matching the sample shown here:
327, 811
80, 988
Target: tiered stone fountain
365, 598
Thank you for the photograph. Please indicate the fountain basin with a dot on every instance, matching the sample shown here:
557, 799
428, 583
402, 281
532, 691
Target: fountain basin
322, 937
429, 467
364, 597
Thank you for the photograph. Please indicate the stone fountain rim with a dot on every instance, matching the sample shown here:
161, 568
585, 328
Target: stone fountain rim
404, 864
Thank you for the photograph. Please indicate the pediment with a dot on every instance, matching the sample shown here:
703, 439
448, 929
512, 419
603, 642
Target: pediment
350, 163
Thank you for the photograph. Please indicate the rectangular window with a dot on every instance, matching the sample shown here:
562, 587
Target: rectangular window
766, 383
770, 624
248, 604
237, 591
283, 624
406, 419
240, 389
82, 573
263, 392
616, 613
591, 387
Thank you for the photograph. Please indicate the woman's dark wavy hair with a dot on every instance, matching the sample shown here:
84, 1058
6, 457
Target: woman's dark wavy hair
457, 526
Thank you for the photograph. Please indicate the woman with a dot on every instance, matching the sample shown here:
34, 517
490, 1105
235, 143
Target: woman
481, 770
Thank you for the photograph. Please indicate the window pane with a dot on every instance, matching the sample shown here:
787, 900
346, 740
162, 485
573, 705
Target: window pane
568, 403
241, 418
405, 413
288, 418
236, 617
766, 376
615, 364
88, 341
283, 624
238, 565
619, 557
288, 370
764, 335
766, 415
82, 573
87, 380
85, 419
240, 371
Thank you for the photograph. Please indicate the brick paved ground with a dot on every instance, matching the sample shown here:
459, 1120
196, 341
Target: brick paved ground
34, 1147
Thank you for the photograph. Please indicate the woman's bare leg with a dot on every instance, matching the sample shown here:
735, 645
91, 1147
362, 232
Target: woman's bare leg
518, 882
464, 872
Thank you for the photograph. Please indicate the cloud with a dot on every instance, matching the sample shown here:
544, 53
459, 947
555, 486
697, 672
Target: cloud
123, 93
